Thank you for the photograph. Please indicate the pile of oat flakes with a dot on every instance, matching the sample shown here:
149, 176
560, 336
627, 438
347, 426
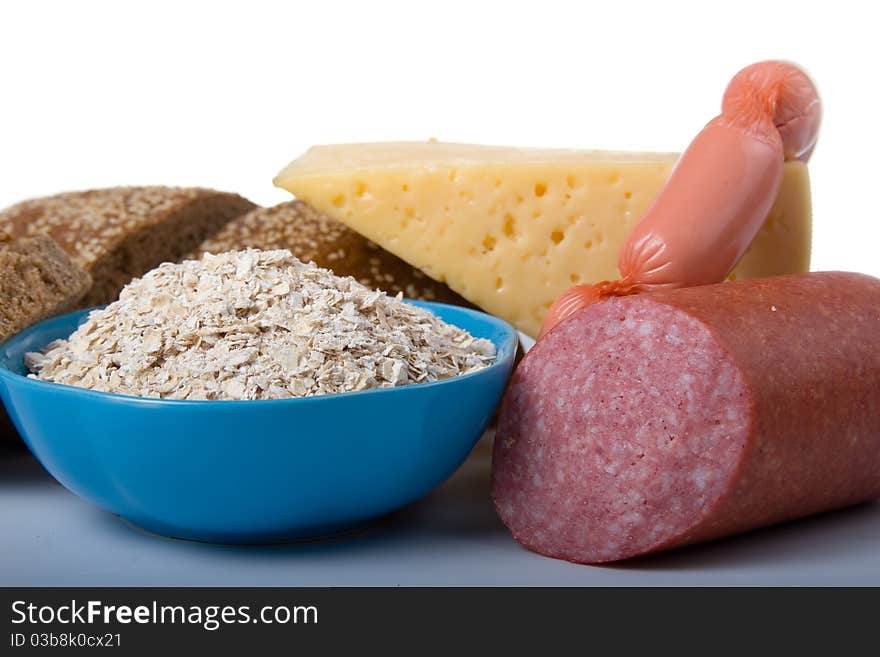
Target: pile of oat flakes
256, 325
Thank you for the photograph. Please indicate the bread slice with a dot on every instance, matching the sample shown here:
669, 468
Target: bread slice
120, 233
37, 280
313, 236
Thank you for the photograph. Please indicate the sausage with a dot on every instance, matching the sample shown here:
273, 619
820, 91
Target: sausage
794, 106
719, 193
713, 204
657, 420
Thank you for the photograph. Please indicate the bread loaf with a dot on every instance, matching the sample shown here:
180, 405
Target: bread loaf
120, 233
313, 236
37, 280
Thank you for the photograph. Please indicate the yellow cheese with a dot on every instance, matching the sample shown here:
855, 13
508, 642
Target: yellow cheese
511, 228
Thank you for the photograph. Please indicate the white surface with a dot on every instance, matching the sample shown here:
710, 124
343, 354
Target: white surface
98, 94
51, 537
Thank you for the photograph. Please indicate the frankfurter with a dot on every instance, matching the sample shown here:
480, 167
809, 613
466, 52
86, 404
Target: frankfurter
656, 420
719, 193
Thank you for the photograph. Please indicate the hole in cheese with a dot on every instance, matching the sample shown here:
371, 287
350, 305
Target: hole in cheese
509, 226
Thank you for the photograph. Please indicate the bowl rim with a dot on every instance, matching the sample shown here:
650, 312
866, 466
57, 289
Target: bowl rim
510, 339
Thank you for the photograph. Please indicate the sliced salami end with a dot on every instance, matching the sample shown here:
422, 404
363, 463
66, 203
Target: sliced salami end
628, 451
652, 421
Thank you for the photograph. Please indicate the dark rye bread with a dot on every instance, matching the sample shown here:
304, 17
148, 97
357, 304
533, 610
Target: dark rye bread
313, 236
120, 233
37, 280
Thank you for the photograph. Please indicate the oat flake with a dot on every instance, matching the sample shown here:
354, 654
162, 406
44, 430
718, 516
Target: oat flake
256, 325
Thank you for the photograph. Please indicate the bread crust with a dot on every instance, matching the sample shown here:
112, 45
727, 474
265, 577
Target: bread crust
119, 233
312, 236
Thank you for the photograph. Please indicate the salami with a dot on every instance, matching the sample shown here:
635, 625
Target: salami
647, 422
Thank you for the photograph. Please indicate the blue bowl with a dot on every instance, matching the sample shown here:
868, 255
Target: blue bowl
254, 471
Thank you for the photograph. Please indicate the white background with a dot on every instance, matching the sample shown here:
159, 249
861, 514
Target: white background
96, 94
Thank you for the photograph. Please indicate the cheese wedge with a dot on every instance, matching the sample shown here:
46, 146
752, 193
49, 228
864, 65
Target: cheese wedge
511, 228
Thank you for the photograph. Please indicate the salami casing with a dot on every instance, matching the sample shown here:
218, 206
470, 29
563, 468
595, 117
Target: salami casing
653, 421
